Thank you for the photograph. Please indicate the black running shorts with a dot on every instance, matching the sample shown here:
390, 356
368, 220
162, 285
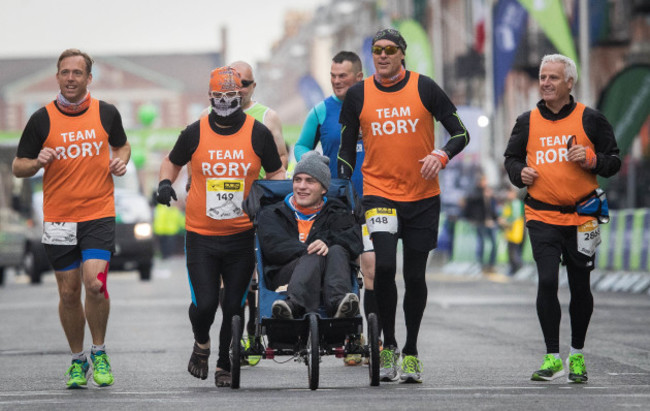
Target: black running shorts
417, 220
557, 242
90, 235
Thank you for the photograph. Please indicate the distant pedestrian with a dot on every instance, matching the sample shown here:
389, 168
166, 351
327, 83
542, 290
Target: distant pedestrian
511, 220
481, 211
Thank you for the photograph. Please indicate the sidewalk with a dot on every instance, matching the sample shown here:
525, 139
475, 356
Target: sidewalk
601, 280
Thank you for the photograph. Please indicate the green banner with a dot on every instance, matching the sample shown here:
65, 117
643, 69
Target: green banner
419, 53
551, 18
626, 104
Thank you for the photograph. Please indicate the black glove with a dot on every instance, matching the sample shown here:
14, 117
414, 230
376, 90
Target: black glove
166, 193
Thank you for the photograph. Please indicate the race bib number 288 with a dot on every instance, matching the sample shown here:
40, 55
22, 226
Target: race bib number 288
381, 219
588, 237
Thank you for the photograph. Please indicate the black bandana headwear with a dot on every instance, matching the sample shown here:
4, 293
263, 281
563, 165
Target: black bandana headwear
392, 35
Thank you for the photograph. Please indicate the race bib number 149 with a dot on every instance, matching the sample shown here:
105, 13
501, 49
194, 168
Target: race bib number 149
223, 198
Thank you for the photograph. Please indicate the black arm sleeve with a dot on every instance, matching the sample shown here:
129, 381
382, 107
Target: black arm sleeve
349, 120
112, 123
459, 136
438, 103
516, 150
265, 148
34, 134
601, 134
186, 144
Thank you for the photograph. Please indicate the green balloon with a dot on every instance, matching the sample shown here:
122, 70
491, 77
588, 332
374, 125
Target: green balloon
147, 114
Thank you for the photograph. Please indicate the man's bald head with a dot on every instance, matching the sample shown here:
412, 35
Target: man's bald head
248, 82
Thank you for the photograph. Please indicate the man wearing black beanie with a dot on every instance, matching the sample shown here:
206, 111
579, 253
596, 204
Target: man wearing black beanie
395, 109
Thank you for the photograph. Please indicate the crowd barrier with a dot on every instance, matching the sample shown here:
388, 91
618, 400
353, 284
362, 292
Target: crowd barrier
625, 242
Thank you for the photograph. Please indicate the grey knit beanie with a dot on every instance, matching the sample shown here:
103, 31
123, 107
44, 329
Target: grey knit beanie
315, 165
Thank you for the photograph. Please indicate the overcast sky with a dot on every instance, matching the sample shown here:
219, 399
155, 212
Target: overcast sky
46, 27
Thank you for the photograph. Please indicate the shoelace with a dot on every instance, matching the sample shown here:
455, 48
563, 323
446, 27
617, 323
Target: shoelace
387, 358
577, 365
549, 362
410, 365
101, 363
75, 370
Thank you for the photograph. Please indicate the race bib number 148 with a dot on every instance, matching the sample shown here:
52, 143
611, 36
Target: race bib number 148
381, 219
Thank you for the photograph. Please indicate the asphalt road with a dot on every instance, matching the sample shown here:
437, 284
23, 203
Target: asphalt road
480, 342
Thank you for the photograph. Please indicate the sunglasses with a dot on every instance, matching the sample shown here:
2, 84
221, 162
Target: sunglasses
246, 83
219, 95
390, 50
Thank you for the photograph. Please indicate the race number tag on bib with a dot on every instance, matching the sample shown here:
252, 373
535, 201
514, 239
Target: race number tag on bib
223, 198
381, 219
59, 233
588, 237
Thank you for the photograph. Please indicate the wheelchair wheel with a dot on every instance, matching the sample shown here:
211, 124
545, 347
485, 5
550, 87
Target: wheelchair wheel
373, 345
313, 352
235, 351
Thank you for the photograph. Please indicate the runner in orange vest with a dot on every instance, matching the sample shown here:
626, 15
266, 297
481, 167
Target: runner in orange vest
80, 143
226, 150
556, 151
395, 110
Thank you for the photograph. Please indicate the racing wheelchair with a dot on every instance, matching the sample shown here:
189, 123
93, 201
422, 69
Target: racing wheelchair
315, 334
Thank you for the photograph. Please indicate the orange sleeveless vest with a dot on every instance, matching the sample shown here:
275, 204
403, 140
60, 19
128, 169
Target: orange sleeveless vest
223, 169
560, 181
397, 132
77, 185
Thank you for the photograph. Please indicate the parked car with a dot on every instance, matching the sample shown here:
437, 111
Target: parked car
134, 246
12, 224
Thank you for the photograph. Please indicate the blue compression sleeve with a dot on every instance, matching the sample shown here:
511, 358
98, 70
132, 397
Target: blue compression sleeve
307, 139
95, 254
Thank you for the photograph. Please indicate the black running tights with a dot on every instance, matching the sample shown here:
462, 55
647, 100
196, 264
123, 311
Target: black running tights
415, 296
549, 312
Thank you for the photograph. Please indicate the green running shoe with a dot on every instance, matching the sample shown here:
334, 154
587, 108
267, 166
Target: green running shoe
411, 369
77, 372
246, 344
102, 375
577, 370
253, 360
388, 358
550, 369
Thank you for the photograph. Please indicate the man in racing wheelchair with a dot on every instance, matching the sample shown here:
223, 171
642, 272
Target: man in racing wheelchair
308, 242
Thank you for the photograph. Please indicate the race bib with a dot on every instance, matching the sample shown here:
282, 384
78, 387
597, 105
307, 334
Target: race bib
367, 242
588, 237
59, 233
223, 198
381, 219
